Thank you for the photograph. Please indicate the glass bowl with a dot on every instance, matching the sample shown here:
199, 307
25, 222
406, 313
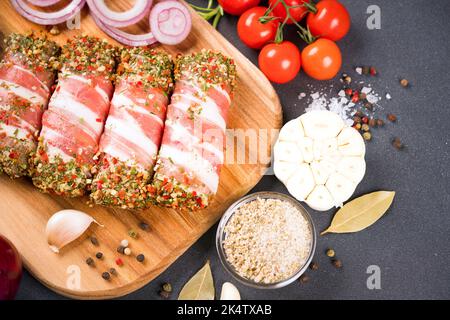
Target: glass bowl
221, 235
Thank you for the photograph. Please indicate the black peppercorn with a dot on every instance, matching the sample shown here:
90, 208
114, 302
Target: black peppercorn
337, 263
113, 271
304, 278
314, 266
106, 275
90, 262
140, 257
121, 249
144, 226
99, 255
94, 241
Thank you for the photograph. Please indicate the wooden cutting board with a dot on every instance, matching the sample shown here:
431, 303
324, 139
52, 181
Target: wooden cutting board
24, 211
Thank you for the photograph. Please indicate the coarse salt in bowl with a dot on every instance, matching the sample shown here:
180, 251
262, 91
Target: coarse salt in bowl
266, 240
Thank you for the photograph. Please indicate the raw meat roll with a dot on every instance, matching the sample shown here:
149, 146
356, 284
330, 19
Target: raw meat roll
27, 73
73, 123
134, 128
191, 154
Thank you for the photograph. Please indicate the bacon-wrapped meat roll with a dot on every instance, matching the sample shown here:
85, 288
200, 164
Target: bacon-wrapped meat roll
192, 151
134, 128
73, 123
27, 73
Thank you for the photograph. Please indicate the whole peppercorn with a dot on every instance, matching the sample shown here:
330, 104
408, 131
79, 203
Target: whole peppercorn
304, 278
347, 79
372, 122
365, 127
113, 271
94, 241
140, 257
358, 114
144, 226
90, 262
167, 287
127, 251
119, 262
397, 143
404, 83
330, 253
380, 123
366, 70
121, 249
392, 117
368, 106
99, 255
357, 119
357, 126
106, 276
124, 243
367, 136
314, 266
337, 263
365, 120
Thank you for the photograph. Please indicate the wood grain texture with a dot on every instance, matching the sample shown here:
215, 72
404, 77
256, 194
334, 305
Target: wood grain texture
24, 210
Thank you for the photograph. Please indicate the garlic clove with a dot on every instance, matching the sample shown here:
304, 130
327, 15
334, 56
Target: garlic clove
229, 292
66, 226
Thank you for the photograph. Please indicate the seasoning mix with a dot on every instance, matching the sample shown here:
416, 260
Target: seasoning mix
267, 240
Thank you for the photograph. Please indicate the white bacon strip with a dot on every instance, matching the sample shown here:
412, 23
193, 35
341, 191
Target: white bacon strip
22, 92
194, 163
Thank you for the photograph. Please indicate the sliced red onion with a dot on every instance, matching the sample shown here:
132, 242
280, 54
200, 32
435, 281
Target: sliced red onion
43, 3
48, 18
134, 40
120, 19
170, 22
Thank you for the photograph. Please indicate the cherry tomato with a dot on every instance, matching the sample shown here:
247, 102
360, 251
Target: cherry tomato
280, 62
322, 59
237, 7
331, 21
254, 33
297, 12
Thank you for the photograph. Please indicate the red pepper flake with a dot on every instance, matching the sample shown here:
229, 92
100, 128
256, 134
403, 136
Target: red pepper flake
365, 119
13, 155
194, 193
98, 120
119, 262
355, 97
373, 71
348, 91
114, 160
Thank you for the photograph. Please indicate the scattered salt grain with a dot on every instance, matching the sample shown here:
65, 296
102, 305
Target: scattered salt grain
388, 96
358, 70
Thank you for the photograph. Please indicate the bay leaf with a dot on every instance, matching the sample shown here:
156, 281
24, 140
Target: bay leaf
361, 212
200, 286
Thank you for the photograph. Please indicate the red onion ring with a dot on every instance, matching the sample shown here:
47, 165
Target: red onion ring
43, 3
120, 19
48, 18
170, 22
123, 37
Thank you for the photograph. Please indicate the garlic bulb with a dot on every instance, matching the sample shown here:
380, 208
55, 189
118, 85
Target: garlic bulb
66, 226
229, 292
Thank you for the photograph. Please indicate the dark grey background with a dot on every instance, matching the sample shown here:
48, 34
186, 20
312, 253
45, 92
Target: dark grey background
411, 243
